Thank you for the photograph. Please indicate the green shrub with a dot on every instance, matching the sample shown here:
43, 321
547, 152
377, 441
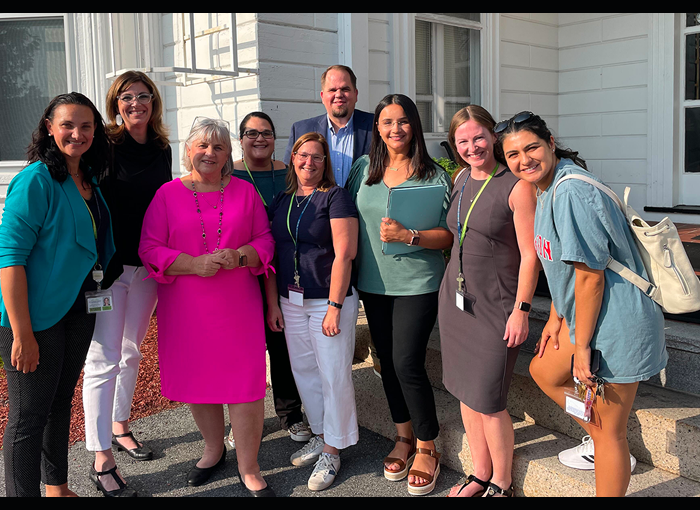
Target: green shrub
447, 164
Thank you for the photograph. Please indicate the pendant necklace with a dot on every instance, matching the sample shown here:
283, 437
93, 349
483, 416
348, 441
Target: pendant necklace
201, 221
296, 199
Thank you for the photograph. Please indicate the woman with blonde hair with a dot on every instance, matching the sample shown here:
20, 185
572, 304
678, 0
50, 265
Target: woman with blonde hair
140, 162
314, 223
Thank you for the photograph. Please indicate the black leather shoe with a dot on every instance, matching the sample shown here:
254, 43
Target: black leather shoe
139, 453
267, 492
198, 476
122, 492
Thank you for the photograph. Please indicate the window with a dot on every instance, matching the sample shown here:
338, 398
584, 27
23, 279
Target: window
448, 66
691, 92
33, 63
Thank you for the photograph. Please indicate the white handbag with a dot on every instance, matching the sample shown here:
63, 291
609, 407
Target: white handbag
672, 281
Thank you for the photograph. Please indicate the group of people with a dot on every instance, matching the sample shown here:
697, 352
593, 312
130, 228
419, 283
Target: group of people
259, 254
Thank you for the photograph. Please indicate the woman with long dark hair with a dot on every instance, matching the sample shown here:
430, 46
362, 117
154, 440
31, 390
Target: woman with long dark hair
55, 238
603, 335
400, 292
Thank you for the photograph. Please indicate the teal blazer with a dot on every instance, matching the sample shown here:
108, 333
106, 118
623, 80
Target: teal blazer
46, 227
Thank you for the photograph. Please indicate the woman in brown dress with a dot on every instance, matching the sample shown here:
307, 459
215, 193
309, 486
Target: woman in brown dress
485, 297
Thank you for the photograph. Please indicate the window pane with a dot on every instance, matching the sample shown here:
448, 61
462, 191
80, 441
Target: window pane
33, 63
692, 19
692, 140
424, 65
451, 108
461, 60
425, 112
692, 67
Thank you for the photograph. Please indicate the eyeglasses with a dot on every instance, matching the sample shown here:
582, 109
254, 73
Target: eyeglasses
253, 134
516, 119
143, 98
388, 124
200, 121
316, 158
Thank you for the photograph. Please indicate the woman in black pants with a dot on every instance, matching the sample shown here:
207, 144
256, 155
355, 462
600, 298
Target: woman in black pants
400, 292
55, 237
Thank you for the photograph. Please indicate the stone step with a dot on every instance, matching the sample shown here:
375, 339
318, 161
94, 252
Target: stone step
536, 469
663, 430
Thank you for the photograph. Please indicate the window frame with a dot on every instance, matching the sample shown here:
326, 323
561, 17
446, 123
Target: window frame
13, 165
440, 124
684, 103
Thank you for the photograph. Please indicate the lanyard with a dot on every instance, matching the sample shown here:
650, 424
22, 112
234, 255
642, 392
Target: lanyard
462, 229
272, 170
97, 273
295, 238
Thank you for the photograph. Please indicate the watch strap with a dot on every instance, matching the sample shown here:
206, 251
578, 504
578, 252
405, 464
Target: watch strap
522, 305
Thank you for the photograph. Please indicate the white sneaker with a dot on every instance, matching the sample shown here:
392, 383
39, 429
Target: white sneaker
230, 441
582, 456
300, 432
327, 466
309, 452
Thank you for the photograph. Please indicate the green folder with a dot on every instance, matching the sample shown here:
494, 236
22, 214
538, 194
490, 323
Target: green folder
416, 207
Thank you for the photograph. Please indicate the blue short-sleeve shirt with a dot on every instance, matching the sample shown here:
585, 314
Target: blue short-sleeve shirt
584, 225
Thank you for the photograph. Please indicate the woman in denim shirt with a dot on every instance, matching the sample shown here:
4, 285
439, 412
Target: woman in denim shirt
593, 308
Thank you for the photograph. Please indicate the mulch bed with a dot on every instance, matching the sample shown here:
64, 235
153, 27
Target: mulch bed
147, 397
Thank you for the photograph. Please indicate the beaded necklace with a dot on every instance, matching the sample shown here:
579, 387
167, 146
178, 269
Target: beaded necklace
201, 221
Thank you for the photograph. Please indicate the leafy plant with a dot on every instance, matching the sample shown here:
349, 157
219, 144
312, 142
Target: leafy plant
447, 164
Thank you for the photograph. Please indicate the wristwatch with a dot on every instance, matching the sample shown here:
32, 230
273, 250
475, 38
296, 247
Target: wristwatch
522, 305
242, 259
415, 238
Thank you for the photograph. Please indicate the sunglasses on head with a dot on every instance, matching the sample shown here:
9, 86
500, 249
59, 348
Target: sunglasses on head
515, 119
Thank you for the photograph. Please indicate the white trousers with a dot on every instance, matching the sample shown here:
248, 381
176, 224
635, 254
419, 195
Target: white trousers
322, 367
112, 363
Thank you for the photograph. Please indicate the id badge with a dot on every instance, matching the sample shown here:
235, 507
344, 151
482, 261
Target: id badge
465, 301
296, 295
576, 407
99, 301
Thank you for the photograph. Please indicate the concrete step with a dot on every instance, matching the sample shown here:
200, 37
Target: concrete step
663, 433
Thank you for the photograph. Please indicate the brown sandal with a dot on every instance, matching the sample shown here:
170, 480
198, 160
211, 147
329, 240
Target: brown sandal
399, 475
426, 487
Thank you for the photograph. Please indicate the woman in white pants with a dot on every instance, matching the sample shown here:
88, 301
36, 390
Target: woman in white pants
141, 162
314, 223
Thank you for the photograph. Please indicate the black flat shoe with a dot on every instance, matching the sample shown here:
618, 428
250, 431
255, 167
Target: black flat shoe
198, 476
139, 453
267, 492
122, 492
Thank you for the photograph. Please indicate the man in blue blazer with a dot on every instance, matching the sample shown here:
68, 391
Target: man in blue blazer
347, 130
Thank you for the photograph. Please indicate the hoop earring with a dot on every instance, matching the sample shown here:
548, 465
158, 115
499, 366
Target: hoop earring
118, 119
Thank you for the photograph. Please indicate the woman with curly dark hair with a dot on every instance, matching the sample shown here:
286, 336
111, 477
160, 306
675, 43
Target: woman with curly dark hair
55, 238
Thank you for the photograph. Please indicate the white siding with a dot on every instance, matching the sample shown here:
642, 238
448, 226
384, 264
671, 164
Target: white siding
295, 49
229, 99
603, 98
529, 78
586, 75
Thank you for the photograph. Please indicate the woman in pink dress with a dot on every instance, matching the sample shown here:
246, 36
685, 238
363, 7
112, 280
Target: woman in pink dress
205, 238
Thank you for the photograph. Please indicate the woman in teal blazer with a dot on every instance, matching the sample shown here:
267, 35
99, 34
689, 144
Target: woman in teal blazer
55, 233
